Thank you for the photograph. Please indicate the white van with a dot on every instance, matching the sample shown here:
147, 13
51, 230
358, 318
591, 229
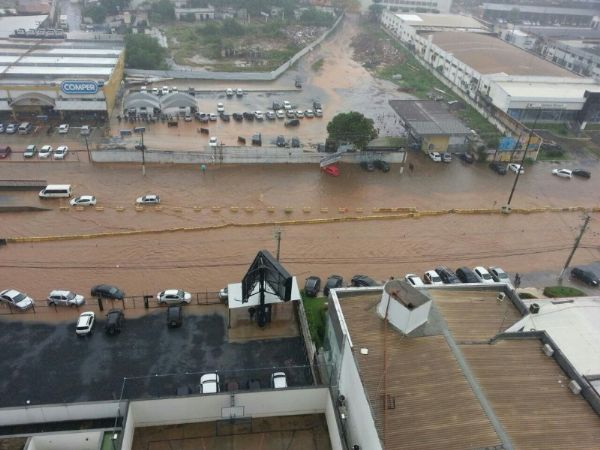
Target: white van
56, 190
25, 128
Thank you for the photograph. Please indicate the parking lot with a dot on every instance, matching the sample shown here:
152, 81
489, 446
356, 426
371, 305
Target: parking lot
47, 363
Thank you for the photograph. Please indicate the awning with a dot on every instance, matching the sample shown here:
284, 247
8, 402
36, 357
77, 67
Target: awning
234, 293
80, 106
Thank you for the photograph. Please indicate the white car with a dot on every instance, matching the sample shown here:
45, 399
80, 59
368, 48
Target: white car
435, 156
563, 173
499, 275
83, 200
66, 298
299, 114
432, 277
209, 383
413, 279
279, 380
150, 199
155, 90
85, 323
173, 296
45, 152
61, 152
516, 168
483, 275
239, 92
17, 299
213, 141
85, 130
212, 117
164, 90
229, 92
258, 115
309, 113
287, 105
11, 128
63, 128
1, 128
220, 107
318, 113
224, 293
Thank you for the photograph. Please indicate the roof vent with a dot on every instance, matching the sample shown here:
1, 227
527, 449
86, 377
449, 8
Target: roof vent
501, 296
574, 386
548, 350
534, 308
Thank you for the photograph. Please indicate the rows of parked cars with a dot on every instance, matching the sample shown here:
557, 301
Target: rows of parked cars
439, 276
90, 200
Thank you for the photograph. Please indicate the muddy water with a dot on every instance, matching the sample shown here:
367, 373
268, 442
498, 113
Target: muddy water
202, 260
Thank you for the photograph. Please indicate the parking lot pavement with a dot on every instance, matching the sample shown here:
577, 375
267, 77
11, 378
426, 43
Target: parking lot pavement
44, 363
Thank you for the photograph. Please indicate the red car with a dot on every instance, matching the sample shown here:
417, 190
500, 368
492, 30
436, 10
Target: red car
331, 170
4, 152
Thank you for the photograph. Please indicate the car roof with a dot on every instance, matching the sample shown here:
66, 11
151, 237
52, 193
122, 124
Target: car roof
171, 291
480, 269
59, 292
10, 293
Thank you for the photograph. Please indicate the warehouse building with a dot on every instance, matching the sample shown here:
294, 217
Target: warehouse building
495, 75
46, 79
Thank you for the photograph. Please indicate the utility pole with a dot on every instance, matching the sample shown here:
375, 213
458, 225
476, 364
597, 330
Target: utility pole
88, 148
277, 235
140, 130
577, 241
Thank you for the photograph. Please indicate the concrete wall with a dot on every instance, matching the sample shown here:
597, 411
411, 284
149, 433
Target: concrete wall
59, 413
80, 440
334, 434
231, 155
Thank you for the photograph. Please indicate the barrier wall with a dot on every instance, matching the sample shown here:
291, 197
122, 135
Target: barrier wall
60, 412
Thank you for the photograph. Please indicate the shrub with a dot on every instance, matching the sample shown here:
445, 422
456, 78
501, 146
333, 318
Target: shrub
562, 291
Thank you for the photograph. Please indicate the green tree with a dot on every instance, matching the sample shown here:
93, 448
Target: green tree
352, 127
515, 15
312, 16
162, 11
144, 52
95, 12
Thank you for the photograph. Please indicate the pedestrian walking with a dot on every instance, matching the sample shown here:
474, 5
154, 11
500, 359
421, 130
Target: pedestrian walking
411, 167
517, 280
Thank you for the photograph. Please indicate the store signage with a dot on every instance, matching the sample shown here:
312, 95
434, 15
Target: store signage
79, 87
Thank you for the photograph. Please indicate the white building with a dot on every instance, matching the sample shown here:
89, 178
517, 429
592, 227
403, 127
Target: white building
406, 6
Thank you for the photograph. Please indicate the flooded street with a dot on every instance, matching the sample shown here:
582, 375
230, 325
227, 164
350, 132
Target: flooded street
207, 242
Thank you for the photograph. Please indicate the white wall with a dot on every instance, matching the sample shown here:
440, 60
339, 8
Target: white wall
59, 413
334, 432
80, 440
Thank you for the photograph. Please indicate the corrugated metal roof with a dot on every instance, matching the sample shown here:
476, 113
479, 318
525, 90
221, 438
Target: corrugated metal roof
80, 106
428, 117
62, 71
57, 61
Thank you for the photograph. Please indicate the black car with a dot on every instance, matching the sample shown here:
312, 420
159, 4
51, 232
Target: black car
447, 276
114, 321
312, 286
292, 123
317, 105
466, 275
174, 316
467, 157
280, 141
367, 165
586, 276
381, 165
107, 291
334, 281
295, 142
581, 173
225, 117
248, 116
238, 117
498, 167
362, 281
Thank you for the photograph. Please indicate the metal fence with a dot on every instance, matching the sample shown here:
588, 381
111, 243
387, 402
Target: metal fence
131, 302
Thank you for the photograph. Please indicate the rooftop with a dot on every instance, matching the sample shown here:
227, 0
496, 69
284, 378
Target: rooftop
8, 24
428, 117
490, 55
546, 90
568, 11
563, 33
442, 378
441, 21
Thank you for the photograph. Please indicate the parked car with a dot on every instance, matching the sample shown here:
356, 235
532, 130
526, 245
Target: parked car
435, 156
188, 117
446, 157
11, 128
312, 286
45, 152
382, 165
499, 275
258, 115
238, 117
17, 299
295, 142
173, 296
85, 324
279, 380
229, 92
5, 151
30, 151
114, 321
333, 282
212, 117
220, 107
107, 291
290, 114
65, 298
239, 92
150, 199
209, 383
287, 105
467, 157
317, 105
270, 115
85, 130
367, 165
61, 152
581, 173
447, 276
483, 275
292, 123
224, 293
213, 141
300, 114
174, 316
83, 200
63, 128
413, 279
318, 113
2, 129
280, 141
363, 281
309, 113
248, 116
562, 173
280, 114
466, 275
516, 168
432, 277
498, 167
586, 276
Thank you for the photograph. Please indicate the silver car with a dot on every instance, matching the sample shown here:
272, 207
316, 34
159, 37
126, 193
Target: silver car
17, 299
65, 298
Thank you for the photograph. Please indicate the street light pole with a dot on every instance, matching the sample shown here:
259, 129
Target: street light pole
577, 241
88, 148
140, 130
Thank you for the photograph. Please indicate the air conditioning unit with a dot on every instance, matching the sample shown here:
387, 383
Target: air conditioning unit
574, 386
534, 308
548, 350
501, 296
